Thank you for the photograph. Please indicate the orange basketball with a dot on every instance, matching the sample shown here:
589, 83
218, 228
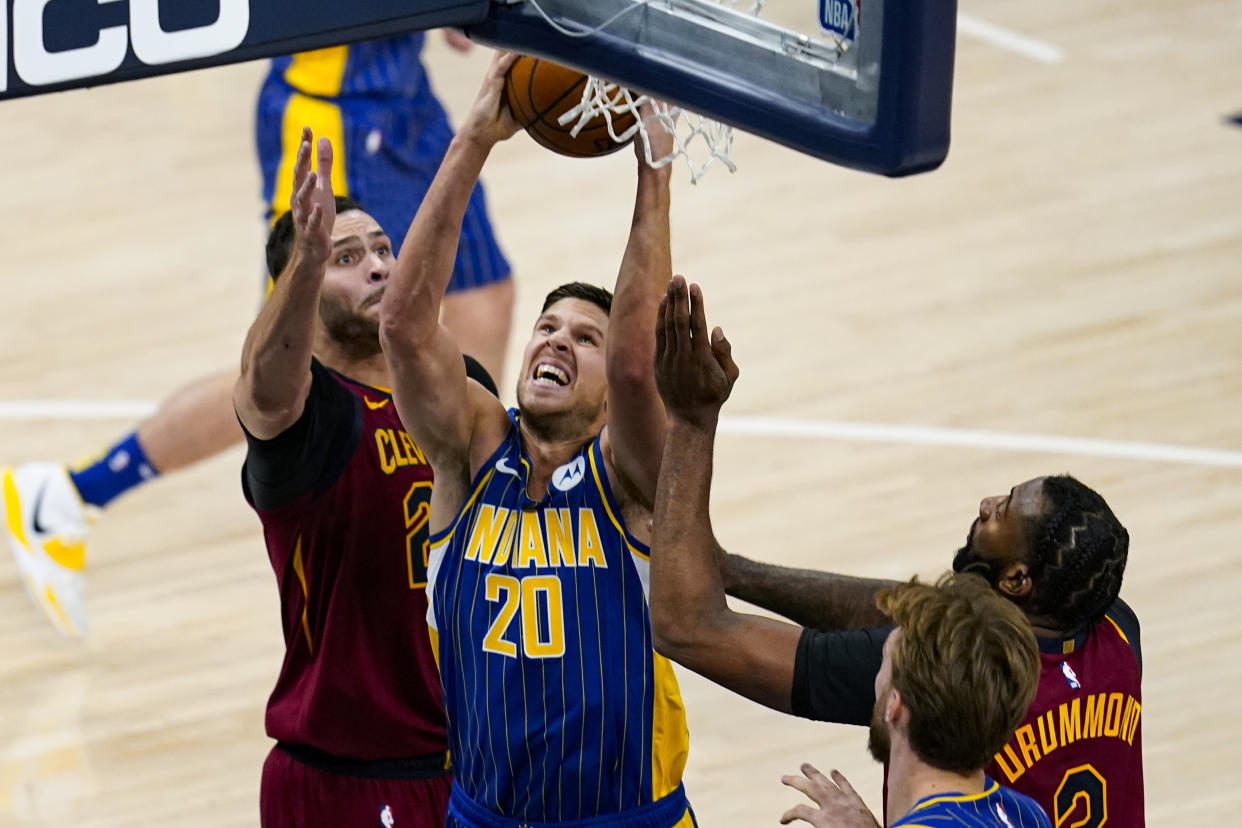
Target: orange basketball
539, 92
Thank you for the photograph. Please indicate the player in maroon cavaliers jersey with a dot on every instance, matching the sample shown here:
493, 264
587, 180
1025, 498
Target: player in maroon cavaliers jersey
343, 494
1052, 546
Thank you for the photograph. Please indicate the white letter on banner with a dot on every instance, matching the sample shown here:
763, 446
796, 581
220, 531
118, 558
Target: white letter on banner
36, 65
154, 46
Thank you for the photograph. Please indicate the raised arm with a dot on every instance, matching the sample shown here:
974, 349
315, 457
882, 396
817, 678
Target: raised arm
636, 421
276, 358
820, 600
437, 405
690, 619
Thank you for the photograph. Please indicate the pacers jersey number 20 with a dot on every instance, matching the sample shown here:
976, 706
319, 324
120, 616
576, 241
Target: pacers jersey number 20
559, 708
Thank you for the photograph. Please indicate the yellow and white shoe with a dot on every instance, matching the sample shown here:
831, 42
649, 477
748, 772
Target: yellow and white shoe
47, 525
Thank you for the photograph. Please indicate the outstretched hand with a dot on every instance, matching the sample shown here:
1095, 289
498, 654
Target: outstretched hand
694, 374
840, 806
489, 120
658, 126
313, 203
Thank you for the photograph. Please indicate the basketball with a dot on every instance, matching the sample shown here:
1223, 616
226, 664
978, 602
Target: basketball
539, 92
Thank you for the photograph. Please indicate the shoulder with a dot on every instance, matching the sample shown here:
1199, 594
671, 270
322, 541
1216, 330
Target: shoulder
493, 425
309, 454
1121, 618
1024, 805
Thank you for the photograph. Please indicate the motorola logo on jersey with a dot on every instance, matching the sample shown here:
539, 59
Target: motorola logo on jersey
570, 474
36, 65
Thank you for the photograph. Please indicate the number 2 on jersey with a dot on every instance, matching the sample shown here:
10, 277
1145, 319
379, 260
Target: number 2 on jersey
1083, 797
417, 515
528, 595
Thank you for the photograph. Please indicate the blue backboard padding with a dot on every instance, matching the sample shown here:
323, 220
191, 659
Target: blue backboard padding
911, 130
277, 27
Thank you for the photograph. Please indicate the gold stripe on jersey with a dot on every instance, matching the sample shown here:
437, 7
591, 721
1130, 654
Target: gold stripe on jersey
670, 740
957, 797
603, 497
301, 573
1117, 627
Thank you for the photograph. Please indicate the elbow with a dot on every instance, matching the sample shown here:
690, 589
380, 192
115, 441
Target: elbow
675, 635
631, 371
398, 327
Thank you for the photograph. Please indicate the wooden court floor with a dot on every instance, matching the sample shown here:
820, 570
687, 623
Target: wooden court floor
1072, 271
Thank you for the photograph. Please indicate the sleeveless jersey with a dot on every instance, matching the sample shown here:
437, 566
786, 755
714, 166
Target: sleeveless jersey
344, 498
996, 807
558, 707
1079, 751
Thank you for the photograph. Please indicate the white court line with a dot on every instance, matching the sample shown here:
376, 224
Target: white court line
1011, 41
975, 438
763, 427
75, 409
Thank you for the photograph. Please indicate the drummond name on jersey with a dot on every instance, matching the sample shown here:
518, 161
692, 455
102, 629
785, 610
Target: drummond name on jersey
1097, 716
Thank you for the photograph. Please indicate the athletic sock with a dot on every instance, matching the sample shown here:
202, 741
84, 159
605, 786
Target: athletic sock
116, 471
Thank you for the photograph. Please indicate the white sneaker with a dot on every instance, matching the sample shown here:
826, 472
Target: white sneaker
47, 524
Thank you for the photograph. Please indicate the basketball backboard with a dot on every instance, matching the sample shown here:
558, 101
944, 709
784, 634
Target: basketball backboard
862, 83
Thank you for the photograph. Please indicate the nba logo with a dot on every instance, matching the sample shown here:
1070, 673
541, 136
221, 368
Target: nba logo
840, 17
386, 819
1004, 817
1070, 676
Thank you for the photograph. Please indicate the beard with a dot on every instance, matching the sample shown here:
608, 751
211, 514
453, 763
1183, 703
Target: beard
878, 742
357, 335
967, 560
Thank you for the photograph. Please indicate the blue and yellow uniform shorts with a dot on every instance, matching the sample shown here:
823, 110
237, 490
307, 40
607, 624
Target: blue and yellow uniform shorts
672, 811
388, 149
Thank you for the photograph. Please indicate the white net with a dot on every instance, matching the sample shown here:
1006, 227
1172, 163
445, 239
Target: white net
698, 140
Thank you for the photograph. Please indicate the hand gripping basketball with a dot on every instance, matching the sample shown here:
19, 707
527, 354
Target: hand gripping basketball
546, 98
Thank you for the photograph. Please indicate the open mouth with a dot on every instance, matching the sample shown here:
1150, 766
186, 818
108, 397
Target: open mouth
546, 373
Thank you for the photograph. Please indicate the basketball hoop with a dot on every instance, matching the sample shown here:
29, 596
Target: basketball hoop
698, 140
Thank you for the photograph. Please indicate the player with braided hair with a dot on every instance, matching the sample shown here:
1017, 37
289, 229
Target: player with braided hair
1054, 548
1078, 553
1051, 546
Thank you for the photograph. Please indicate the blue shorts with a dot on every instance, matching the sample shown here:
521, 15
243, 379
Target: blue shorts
388, 149
671, 811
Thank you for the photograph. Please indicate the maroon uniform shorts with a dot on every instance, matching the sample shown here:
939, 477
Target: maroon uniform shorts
314, 791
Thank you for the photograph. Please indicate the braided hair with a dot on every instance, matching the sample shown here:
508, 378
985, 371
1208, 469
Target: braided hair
1078, 553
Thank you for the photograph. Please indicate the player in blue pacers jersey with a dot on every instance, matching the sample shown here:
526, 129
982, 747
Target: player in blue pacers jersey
956, 675
375, 102
559, 710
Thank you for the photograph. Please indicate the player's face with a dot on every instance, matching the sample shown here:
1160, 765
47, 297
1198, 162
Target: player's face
563, 364
358, 268
997, 535
879, 741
